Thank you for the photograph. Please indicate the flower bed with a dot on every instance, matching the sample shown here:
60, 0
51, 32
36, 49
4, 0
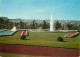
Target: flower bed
72, 34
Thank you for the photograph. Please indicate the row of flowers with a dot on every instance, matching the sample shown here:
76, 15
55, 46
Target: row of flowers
72, 34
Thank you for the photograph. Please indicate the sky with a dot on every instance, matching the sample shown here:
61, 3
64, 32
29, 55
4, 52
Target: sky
40, 9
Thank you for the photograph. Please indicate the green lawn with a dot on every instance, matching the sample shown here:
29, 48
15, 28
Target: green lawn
42, 39
15, 55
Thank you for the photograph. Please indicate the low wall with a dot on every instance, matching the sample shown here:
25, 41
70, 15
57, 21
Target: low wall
47, 30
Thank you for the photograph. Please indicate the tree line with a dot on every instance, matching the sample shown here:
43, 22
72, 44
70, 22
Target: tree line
8, 24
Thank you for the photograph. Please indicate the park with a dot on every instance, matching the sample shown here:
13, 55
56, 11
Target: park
40, 39
39, 28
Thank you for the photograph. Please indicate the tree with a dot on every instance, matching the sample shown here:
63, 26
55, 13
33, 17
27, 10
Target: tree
25, 25
45, 25
21, 25
69, 25
40, 26
1, 22
7, 24
57, 25
34, 25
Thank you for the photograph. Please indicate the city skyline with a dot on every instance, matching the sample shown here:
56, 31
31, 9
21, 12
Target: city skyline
40, 9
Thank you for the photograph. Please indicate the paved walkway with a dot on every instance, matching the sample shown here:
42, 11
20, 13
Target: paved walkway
38, 51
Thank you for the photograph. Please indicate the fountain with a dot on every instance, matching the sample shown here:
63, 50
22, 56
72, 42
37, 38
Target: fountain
52, 28
51, 24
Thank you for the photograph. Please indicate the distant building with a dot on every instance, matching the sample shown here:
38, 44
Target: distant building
15, 20
41, 21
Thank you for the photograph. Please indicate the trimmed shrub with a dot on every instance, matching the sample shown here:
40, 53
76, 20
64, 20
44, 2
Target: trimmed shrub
23, 37
27, 33
60, 39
